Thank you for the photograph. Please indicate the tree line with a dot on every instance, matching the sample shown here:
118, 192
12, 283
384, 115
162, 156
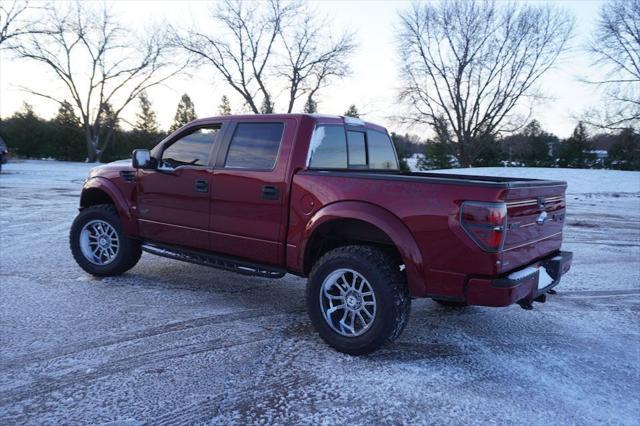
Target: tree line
470, 69
530, 147
62, 137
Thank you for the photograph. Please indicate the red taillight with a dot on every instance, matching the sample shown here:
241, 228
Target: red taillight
485, 223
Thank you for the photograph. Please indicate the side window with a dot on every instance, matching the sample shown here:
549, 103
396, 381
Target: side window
255, 146
328, 149
192, 149
381, 153
357, 150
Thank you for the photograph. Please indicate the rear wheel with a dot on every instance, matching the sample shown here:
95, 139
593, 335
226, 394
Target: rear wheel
98, 244
357, 299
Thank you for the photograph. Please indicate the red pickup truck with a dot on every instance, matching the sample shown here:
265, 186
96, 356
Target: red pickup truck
323, 197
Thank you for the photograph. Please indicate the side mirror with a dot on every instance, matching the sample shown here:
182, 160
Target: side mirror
141, 159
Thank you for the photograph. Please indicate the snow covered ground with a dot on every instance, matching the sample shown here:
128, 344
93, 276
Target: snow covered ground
173, 343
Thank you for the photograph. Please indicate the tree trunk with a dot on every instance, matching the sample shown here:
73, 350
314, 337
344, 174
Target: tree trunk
92, 155
107, 141
463, 157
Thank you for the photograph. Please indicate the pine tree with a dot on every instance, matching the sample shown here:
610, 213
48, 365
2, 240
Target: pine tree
624, 154
67, 136
225, 107
146, 119
26, 112
352, 111
538, 146
267, 106
402, 155
438, 152
66, 116
490, 154
108, 121
311, 106
574, 153
26, 138
184, 114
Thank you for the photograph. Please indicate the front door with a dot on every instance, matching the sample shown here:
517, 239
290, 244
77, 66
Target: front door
173, 199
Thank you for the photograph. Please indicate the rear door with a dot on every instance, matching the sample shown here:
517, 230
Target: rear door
173, 199
248, 193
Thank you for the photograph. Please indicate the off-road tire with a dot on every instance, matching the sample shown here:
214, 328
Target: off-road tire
450, 303
388, 284
129, 251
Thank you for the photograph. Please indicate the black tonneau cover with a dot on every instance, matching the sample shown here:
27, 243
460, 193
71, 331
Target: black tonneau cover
441, 178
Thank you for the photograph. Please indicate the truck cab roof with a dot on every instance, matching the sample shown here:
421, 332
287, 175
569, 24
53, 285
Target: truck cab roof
318, 118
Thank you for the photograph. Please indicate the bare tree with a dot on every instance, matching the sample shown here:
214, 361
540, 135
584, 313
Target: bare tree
615, 46
313, 57
474, 63
243, 49
99, 63
262, 48
14, 22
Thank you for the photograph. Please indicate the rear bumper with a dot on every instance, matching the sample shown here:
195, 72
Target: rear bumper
523, 285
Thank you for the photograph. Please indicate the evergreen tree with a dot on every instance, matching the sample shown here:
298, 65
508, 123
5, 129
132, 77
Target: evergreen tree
184, 114
26, 134
624, 154
66, 116
146, 119
109, 126
438, 153
311, 106
267, 106
225, 107
490, 154
67, 136
352, 111
537, 152
402, 155
26, 112
108, 120
574, 153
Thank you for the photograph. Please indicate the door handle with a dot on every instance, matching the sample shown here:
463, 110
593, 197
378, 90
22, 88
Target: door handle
202, 185
269, 192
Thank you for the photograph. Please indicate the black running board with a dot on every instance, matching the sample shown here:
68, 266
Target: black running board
213, 260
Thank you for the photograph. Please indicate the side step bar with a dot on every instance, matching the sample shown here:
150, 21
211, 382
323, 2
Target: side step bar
213, 260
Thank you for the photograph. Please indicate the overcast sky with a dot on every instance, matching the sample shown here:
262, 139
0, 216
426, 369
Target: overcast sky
372, 86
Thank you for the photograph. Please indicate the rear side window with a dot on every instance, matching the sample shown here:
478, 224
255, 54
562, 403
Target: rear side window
255, 146
192, 149
357, 149
333, 147
381, 152
328, 148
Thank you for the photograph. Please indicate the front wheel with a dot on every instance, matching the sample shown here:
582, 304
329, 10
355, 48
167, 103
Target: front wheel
98, 244
357, 299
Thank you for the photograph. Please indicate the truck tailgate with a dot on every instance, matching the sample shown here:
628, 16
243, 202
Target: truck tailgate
535, 218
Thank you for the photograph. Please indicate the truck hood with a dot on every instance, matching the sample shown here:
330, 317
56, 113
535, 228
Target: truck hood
111, 170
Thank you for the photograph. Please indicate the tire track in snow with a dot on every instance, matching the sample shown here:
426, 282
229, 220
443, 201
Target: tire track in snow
66, 350
43, 386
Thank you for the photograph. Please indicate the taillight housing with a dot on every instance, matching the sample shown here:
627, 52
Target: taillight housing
485, 223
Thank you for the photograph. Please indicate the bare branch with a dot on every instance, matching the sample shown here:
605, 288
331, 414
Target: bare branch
615, 47
16, 21
102, 65
473, 63
260, 48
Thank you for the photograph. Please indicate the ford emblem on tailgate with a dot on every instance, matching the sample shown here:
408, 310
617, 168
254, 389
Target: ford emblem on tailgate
542, 218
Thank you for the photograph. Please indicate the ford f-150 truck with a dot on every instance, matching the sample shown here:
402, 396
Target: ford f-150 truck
323, 197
